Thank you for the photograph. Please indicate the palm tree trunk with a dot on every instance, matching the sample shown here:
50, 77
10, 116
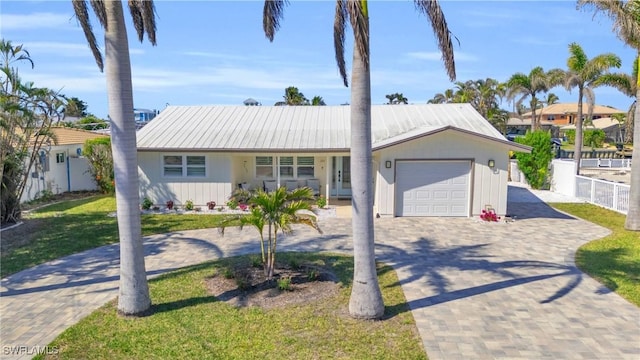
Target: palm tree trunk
366, 298
633, 216
577, 153
134, 291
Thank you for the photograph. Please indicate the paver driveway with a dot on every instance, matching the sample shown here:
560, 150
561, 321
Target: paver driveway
477, 290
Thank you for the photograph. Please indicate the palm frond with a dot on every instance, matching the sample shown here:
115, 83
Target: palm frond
149, 18
100, 11
360, 25
590, 98
433, 12
339, 29
622, 82
577, 58
136, 16
80, 10
272, 13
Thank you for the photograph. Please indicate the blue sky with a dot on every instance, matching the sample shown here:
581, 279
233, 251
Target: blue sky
215, 52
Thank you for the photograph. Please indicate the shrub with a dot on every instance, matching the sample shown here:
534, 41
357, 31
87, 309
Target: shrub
313, 275
594, 137
188, 205
232, 204
284, 284
321, 201
98, 153
146, 203
535, 165
571, 136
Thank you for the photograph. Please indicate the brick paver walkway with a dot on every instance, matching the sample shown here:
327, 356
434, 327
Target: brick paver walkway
476, 290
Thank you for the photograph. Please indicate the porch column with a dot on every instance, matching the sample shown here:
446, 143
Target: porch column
327, 188
277, 171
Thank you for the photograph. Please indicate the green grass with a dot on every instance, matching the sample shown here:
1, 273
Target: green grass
73, 226
189, 323
613, 260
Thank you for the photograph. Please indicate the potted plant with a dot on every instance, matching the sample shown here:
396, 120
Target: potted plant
170, 204
211, 205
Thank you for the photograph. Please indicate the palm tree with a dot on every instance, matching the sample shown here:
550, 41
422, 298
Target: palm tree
586, 74
366, 298
397, 98
134, 291
293, 96
278, 210
318, 101
625, 16
529, 86
442, 98
628, 85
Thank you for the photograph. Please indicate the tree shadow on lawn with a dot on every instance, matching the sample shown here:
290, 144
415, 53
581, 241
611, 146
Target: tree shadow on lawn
98, 265
429, 264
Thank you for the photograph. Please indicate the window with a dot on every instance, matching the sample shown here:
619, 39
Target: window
184, 165
59, 158
290, 167
264, 166
286, 167
551, 117
306, 167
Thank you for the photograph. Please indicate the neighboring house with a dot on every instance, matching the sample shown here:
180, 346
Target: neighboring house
612, 128
60, 166
428, 160
565, 113
517, 126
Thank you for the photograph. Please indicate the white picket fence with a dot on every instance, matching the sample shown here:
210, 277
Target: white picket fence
611, 195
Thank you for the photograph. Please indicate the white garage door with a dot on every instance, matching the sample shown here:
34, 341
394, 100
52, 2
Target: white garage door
432, 188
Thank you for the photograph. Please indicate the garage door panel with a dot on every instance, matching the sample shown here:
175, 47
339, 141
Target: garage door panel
422, 195
432, 188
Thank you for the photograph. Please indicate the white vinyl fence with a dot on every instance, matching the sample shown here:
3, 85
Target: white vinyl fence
614, 196
606, 163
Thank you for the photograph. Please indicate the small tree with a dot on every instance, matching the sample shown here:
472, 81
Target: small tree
98, 152
277, 211
535, 165
594, 137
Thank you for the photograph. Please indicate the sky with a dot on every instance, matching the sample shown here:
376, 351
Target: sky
215, 52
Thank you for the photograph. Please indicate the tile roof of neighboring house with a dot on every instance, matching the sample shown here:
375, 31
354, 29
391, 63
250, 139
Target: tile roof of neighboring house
304, 128
572, 108
602, 123
70, 136
527, 122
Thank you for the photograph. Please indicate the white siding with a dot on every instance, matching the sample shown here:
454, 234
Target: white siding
216, 186
56, 179
489, 186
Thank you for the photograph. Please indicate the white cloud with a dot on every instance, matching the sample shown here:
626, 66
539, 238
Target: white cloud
35, 21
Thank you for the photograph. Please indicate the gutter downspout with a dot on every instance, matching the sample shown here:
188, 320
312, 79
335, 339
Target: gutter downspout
68, 172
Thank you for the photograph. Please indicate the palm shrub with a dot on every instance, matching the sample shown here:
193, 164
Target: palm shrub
535, 165
277, 211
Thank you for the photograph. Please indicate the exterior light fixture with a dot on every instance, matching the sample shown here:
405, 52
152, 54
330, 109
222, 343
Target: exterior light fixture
387, 164
491, 163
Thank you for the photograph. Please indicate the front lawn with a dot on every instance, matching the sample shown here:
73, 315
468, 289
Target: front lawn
613, 260
189, 323
73, 226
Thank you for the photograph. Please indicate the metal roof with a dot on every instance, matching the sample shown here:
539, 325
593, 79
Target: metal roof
301, 128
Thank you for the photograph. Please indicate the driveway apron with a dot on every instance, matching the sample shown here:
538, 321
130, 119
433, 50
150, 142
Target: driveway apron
477, 290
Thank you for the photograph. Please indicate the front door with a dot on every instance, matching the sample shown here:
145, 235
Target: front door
341, 176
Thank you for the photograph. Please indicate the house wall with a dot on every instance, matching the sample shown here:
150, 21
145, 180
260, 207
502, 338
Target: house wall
59, 175
488, 186
216, 186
